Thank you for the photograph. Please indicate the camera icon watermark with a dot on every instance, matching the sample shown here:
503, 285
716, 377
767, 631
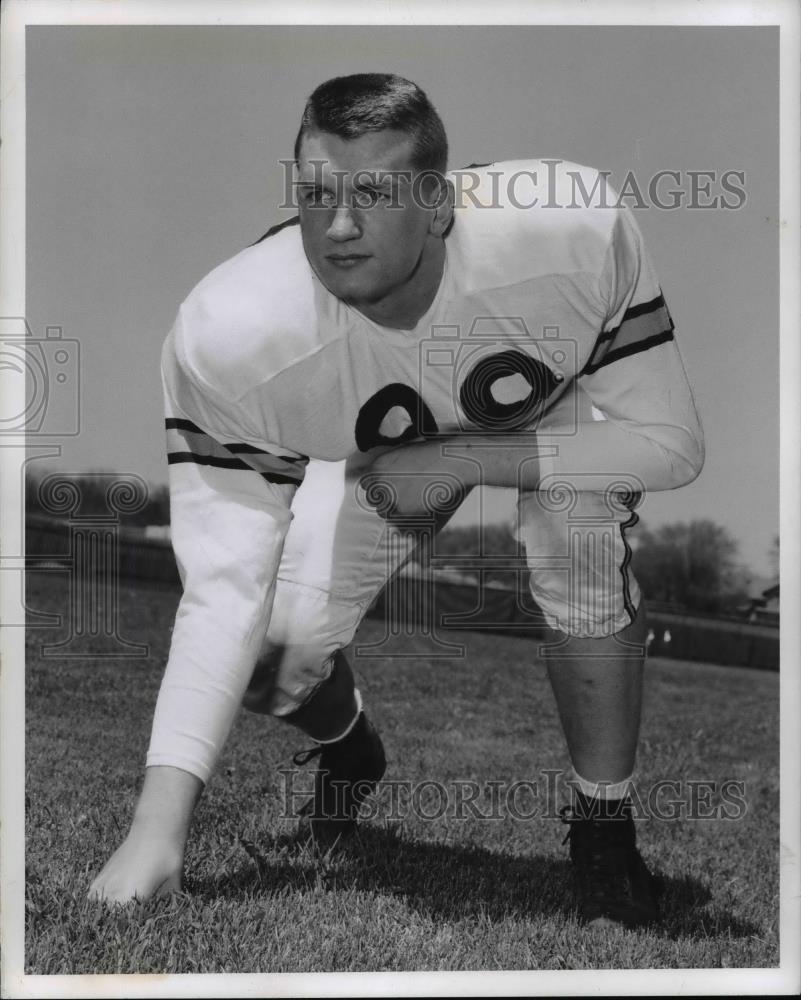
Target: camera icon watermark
49, 369
499, 376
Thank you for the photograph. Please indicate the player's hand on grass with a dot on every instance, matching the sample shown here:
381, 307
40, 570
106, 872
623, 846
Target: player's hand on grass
418, 479
150, 860
144, 865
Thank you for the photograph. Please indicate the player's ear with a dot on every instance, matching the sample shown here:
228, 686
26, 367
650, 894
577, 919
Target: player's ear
443, 201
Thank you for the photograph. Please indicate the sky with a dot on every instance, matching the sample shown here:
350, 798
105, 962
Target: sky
153, 155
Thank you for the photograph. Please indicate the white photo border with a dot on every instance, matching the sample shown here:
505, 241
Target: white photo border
16, 16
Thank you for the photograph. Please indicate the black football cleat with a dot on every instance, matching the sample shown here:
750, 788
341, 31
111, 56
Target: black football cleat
347, 773
614, 884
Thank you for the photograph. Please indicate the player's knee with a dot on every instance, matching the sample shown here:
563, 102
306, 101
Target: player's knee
568, 621
285, 676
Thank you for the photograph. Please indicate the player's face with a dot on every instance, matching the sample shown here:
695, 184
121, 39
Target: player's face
367, 231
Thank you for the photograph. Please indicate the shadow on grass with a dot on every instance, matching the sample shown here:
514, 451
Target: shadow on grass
451, 882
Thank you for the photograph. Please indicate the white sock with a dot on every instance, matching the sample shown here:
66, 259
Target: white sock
603, 789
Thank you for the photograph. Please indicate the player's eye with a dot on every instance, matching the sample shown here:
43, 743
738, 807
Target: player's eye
318, 198
369, 198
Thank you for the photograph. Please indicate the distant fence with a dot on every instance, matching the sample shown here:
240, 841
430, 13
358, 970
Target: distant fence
48, 541
415, 597
440, 604
708, 640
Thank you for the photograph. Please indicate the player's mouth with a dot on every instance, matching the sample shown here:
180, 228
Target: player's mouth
347, 260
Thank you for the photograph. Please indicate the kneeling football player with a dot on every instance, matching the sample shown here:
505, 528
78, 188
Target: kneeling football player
410, 327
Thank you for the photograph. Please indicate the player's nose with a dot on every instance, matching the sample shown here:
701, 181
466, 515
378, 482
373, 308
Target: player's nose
344, 225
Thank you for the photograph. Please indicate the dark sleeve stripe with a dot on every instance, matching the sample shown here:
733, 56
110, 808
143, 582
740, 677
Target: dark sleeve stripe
175, 423
626, 352
266, 464
178, 458
643, 326
186, 442
644, 307
248, 449
294, 221
655, 308
639, 328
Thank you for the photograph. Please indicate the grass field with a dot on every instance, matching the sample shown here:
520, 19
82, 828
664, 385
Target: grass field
413, 893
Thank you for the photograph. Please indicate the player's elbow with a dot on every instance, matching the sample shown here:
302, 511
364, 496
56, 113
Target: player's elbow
686, 457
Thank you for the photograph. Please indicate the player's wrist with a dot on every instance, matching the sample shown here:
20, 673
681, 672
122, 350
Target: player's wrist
167, 802
464, 469
494, 460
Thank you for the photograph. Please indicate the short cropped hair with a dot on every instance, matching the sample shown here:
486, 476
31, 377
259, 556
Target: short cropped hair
350, 106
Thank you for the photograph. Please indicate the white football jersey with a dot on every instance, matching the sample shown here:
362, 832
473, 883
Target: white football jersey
265, 369
265, 360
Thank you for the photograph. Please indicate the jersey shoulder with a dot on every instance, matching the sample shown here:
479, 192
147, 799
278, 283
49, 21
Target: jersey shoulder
522, 219
251, 317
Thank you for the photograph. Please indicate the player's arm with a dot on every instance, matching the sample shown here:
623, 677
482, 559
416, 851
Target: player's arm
229, 507
650, 432
635, 379
650, 437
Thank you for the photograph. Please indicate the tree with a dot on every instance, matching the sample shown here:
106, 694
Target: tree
691, 565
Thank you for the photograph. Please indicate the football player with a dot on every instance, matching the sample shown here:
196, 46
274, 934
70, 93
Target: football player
410, 327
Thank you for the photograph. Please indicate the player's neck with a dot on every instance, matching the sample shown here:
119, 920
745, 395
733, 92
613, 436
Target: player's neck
403, 308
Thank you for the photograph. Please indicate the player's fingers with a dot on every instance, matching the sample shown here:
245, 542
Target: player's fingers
121, 893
